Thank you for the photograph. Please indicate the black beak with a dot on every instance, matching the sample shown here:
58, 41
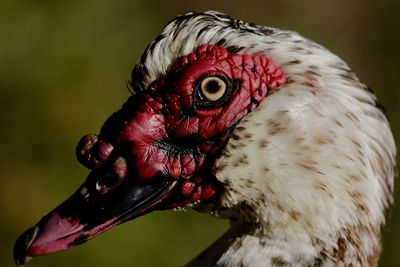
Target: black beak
87, 213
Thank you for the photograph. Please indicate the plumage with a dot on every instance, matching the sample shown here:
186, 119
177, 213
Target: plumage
304, 172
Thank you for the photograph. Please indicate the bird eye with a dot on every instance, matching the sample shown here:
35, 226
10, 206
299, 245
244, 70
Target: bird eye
212, 91
213, 88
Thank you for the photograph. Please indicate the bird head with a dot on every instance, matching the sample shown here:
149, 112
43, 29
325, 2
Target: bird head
215, 122
158, 150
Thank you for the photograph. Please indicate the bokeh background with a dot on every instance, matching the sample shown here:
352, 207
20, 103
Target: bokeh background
63, 69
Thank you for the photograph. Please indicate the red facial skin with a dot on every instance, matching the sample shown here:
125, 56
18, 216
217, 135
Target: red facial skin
173, 135
157, 151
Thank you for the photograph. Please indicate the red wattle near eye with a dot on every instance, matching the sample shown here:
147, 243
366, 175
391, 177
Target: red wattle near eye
248, 123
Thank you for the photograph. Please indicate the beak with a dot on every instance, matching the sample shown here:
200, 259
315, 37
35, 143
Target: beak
135, 169
87, 214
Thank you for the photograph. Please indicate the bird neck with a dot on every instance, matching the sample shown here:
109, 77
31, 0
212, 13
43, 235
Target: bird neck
249, 245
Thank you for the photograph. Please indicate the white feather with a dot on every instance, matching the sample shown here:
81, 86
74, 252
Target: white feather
320, 156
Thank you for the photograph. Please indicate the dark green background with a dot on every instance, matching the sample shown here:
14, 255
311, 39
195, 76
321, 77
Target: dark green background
63, 68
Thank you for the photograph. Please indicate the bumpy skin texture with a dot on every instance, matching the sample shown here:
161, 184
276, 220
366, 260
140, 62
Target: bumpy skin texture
305, 177
158, 150
170, 130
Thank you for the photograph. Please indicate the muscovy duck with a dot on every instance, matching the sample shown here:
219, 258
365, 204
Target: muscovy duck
258, 125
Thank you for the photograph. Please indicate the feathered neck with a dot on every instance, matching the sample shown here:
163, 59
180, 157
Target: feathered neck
309, 173
245, 245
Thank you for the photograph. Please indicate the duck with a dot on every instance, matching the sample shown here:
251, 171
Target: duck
249, 123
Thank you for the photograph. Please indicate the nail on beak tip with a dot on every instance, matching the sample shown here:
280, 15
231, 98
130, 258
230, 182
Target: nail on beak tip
23, 244
25, 261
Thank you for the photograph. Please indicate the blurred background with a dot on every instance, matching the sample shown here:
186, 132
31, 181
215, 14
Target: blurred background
63, 69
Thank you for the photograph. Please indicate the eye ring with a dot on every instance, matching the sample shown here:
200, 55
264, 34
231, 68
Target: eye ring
212, 91
213, 88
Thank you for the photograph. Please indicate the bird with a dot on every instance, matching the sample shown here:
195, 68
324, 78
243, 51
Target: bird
249, 123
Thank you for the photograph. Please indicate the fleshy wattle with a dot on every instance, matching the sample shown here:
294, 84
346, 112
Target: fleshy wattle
253, 124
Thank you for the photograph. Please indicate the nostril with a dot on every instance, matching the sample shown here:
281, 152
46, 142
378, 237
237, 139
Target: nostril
108, 182
84, 151
111, 180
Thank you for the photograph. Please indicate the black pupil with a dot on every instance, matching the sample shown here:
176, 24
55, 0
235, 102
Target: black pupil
213, 86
